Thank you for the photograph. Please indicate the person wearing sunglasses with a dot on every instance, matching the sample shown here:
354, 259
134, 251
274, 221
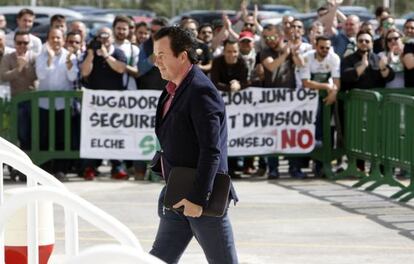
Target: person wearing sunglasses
18, 68
386, 24
364, 69
321, 71
394, 48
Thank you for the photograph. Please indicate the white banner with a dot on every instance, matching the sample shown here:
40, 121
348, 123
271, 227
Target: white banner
271, 120
118, 124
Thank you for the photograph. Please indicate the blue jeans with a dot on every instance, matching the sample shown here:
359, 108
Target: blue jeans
214, 234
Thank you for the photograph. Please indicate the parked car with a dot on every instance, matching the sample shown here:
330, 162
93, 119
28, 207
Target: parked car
408, 15
10, 12
281, 9
204, 16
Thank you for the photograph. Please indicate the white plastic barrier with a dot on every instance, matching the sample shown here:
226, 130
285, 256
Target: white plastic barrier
35, 175
16, 232
110, 254
87, 211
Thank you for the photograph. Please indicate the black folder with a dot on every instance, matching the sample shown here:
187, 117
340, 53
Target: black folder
180, 183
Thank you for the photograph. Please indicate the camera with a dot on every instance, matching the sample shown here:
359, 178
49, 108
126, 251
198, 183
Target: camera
95, 44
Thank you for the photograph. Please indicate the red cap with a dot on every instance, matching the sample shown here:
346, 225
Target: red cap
246, 35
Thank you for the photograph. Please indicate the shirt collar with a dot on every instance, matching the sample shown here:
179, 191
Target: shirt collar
172, 87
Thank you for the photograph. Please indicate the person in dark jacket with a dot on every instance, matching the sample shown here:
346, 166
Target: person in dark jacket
364, 69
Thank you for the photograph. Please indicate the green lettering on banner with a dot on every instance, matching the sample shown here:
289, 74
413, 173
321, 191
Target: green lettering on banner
148, 145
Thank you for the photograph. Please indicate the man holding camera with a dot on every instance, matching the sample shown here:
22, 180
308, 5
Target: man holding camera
103, 68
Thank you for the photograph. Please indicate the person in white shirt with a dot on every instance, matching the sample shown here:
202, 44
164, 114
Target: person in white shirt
121, 32
321, 71
56, 70
25, 19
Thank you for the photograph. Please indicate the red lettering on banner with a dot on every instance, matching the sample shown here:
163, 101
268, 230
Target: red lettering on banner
288, 138
304, 135
302, 138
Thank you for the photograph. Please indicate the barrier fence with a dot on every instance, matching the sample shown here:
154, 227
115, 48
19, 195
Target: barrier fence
377, 129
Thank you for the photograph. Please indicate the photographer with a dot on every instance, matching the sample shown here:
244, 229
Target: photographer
103, 68
101, 53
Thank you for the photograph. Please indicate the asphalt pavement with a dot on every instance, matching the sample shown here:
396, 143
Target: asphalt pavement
283, 221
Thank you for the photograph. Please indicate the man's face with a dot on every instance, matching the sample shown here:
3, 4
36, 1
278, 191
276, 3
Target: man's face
297, 29
74, 42
271, 38
246, 45
206, 34
249, 24
351, 26
323, 47
231, 53
121, 30
142, 34
22, 44
286, 22
3, 22
409, 29
167, 63
78, 26
55, 39
364, 43
25, 22
61, 25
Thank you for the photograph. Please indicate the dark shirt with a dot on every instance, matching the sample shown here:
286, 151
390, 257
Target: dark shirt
340, 44
283, 76
369, 79
409, 74
203, 53
103, 77
378, 45
222, 73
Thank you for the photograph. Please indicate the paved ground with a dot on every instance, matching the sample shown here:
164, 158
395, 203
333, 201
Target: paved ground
285, 221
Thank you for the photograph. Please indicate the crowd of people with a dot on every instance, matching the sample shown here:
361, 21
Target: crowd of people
336, 53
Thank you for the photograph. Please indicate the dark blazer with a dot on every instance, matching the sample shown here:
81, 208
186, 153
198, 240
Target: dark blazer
194, 133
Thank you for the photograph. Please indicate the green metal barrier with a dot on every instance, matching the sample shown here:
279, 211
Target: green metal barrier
398, 139
361, 135
327, 153
4, 118
40, 156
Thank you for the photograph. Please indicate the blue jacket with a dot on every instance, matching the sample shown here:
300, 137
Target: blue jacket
193, 133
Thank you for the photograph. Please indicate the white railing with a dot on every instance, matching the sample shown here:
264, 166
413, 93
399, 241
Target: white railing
53, 190
71, 220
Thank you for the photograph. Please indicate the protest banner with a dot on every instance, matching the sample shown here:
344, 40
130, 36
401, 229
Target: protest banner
271, 120
118, 124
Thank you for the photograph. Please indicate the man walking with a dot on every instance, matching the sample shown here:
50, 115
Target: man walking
192, 131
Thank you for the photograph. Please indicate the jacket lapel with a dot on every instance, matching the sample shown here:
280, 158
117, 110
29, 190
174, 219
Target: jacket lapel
180, 90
